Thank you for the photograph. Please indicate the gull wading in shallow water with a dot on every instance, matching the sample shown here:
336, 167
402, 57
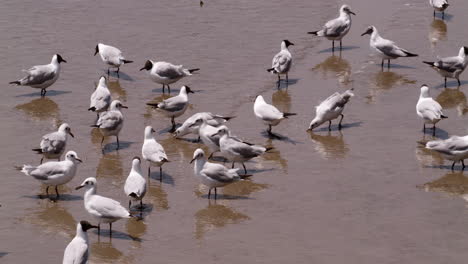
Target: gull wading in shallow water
439, 5
175, 106
103, 209
282, 61
166, 73
207, 135
451, 67
331, 108
135, 185
54, 173
384, 48
101, 97
111, 56
454, 148
213, 175
429, 109
337, 28
111, 122
188, 126
153, 152
42, 76
269, 114
77, 251
53, 144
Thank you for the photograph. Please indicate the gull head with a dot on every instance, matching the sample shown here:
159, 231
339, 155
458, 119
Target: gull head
347, 10
463, 51
97, 49
368, 31
59, 58
85, 226
149, 131
186, 89
102, 80
222, 130
88, 183
424, 91
148, 65
288, 43
197, 122
66, 128
72, 156
314, 123
136, 161
117, 105
259, 98
198, 154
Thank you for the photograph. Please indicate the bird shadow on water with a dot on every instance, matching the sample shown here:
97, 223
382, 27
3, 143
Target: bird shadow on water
337, 49
2, 254
49, 93
105, 233
279, 137
141, 212
166, 178
223, 196
285, 85
451, 84
394, 66
54, 198
334, 127
112, 147
122, 75
446, 17
440, 133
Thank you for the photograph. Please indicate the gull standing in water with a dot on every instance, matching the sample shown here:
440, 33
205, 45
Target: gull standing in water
439, 5
53, 144
282, 61
331, 108
175, 106
153, 152
111, 56
42, 76
213, 175
54, 173
189, 127
166, 73
451, 67
384, 48
236, 150
429, 109
77, 251
454, 148
135, 185
111, 122
101, 97
207, 135
269, 114
337, 28
104, 209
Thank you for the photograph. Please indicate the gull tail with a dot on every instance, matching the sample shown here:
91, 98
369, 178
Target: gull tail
445, 5
15, 82
92, 109
272, 70
286, 115
27, 169
443, 116
431, 63
245, 176
193, 70
38, 150
268, 149
133, 195
409, 54
227, 118
127, 61
155, 105
313, 33
95, 126
165, 160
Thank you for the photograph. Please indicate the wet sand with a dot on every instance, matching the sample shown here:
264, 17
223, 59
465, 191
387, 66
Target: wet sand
366, 194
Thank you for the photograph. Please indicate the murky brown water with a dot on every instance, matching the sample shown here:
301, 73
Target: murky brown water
367, 194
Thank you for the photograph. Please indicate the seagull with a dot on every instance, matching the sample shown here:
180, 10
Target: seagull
237, 150
337, 28
111, 56
77, 250
213, 175
175, 106
451, 67
331, 108
384, 48
166, 73
42, 76
269, 114
188, 126
135, 185
54, 172
206, 133
53, 144
429, 109
439, 5
111, 122
104, 209
282, 61
153, 152
454, 148
101, 97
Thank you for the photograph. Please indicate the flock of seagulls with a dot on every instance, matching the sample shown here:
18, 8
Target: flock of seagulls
211, 129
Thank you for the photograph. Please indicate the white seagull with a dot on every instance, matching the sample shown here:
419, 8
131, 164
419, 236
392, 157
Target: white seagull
188, 126
42, 76
282, 61
54, 173
451, 67
111, 56
384, 48
331, 108
237, 150
454, 148
269, 114
135, 185
337, 28
111, 122
213, 175
166, 73
103, 209
439, 5
429, 109
100, 98
153, 152
175, 106
77, 251
53, 144
207, 134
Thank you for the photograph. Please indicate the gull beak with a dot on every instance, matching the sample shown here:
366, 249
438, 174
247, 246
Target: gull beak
93, 226
365, 33
64, 61
351, 12
79, 160
79, 187
142, 69
215, 134
193, 160
71, 134
123, 106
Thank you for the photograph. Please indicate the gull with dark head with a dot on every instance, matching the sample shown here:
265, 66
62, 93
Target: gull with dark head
77, 251
451, 67
166, 73
282, 61
111, 56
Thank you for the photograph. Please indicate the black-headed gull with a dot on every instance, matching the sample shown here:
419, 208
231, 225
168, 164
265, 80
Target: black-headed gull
454, 148
269, 114
111, 56
111, 122
282, 61
153, 152
451, 67
135, 185
331, 108
429, 109
166, 73
77, 251
53, 144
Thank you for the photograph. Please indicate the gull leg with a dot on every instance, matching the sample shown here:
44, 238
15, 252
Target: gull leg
149, 171
102, 141
129, 204
110, 229
341, 45
245, 170
453, 165
434, 12
163, 87
463, 164
47, 190
42, 159
433, 130
99, 229
382, 64
388, 64
339, 124
118, 143
108, 72
141, 204
333, 46
287, 79
168, 89
211, 155
118, 69
160, 174
209, 193
269, 130
232, 165
173, 124
424, 127
445, 82
56, 191
216, 193
329, 125
459, 83
443, 15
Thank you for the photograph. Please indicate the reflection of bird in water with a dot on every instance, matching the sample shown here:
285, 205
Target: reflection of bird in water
454, 183
41, 108
136, 228
282, 100
215, 216
117, 92
426, 156
385, 80
104, 252
110, 166
52, 218
337, 66
182, 148
273, 156
244, 188
437, 32
157, 197
451, 98
330, 146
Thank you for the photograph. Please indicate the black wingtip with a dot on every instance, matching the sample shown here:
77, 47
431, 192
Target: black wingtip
38, 150
286, 115
155, 105
133, 195
127, 61
15, 82
193, 70
270, 70
409, 54
227, 118
312, 33
444, 116
245, 176
431, 63
269, 148
94, 126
